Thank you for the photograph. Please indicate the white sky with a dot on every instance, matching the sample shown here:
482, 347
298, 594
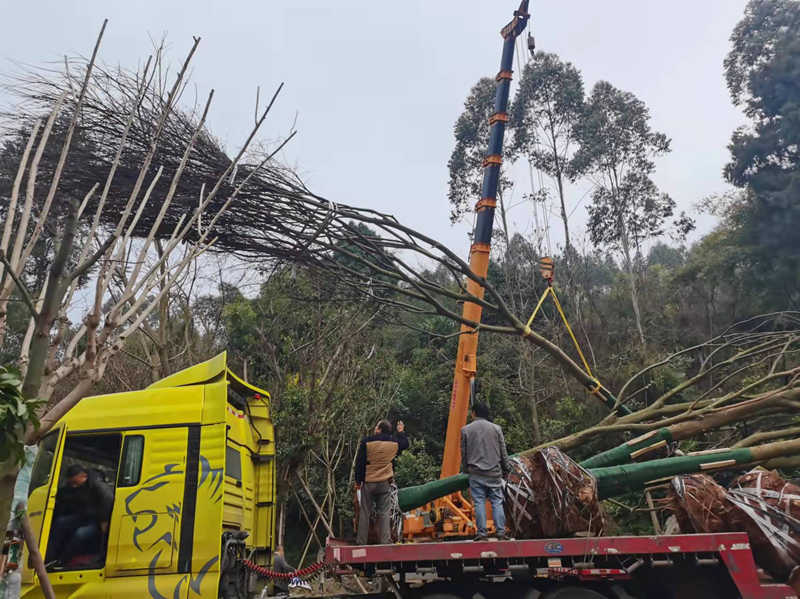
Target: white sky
377, 86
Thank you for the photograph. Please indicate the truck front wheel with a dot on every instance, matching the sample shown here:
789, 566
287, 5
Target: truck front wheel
573, 593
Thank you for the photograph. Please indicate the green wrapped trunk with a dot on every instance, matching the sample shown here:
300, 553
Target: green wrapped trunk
621, 479
627, 451
414, 497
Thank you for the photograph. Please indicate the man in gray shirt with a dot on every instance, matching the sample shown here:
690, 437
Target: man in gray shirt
484, 458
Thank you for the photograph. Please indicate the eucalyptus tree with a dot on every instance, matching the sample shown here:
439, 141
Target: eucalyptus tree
762, 71
546, 110
617, 148
472, 142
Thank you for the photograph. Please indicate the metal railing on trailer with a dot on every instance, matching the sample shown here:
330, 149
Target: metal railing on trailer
583, 559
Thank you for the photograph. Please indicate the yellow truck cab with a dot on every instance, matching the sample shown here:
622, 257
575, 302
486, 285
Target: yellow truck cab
189, 462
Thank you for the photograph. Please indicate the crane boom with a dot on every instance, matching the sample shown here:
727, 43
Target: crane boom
481, 246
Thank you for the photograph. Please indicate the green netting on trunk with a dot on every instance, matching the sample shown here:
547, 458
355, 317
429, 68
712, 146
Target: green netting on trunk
617, 480
622, 453
414, 497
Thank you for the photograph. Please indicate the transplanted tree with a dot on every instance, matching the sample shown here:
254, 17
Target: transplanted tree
546, 110
617, 147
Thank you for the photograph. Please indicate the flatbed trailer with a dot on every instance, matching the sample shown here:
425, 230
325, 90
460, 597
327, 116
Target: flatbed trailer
707, 566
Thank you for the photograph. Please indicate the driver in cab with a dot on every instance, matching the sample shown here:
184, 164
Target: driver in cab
80, 521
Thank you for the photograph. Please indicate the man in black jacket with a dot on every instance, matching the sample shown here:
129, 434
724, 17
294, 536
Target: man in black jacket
80, 521
374, 474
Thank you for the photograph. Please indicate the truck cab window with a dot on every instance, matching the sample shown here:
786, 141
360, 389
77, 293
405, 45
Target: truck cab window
233, 463
40, 473
130, 469
84, 499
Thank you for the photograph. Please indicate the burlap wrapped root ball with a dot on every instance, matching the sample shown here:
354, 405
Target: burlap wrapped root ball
760, 503
699, 503
550, 495
767, 508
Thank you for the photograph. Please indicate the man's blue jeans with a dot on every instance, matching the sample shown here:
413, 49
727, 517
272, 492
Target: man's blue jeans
480, 493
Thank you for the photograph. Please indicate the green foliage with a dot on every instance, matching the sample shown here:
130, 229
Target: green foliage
472, 141
416, 465
568, 411
667, 256
618, 145
548, 106
627, 515
763, 75
16, 414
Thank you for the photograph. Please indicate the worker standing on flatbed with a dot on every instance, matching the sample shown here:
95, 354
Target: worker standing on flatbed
374, 476
485, 459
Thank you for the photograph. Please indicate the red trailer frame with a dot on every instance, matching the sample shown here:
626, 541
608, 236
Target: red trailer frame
628, 553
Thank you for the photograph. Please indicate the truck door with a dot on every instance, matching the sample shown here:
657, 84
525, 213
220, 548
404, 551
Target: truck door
82, 499
145, 531
40, 499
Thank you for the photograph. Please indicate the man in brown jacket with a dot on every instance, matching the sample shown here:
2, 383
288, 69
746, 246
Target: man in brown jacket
374, 475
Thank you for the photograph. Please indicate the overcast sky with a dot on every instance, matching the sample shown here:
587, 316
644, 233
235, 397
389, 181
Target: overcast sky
377, 86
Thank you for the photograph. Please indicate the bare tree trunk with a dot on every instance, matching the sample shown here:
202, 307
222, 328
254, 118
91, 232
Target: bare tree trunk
635, 301
685, 420
537, 434
163, 318
527, 381
8, 475
54, 294
319, 509
626, 250
57, 411
504, 219
282, 521
564, 217
37, 559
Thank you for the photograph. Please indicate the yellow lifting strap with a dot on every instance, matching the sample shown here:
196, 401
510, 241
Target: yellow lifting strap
571, 334
552, 292
539, 305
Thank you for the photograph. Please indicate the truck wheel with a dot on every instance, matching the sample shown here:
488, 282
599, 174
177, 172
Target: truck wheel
441, 596
573, 593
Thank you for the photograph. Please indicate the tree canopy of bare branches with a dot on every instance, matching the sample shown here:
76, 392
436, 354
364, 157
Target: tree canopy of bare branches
107, 217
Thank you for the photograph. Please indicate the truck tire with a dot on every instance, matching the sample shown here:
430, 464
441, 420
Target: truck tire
573, 593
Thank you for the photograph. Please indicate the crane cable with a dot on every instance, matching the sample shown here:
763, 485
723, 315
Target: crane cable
550, 290
542, 226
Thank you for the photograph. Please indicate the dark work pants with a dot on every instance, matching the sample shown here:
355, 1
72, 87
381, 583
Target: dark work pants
73, 535
377, 493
